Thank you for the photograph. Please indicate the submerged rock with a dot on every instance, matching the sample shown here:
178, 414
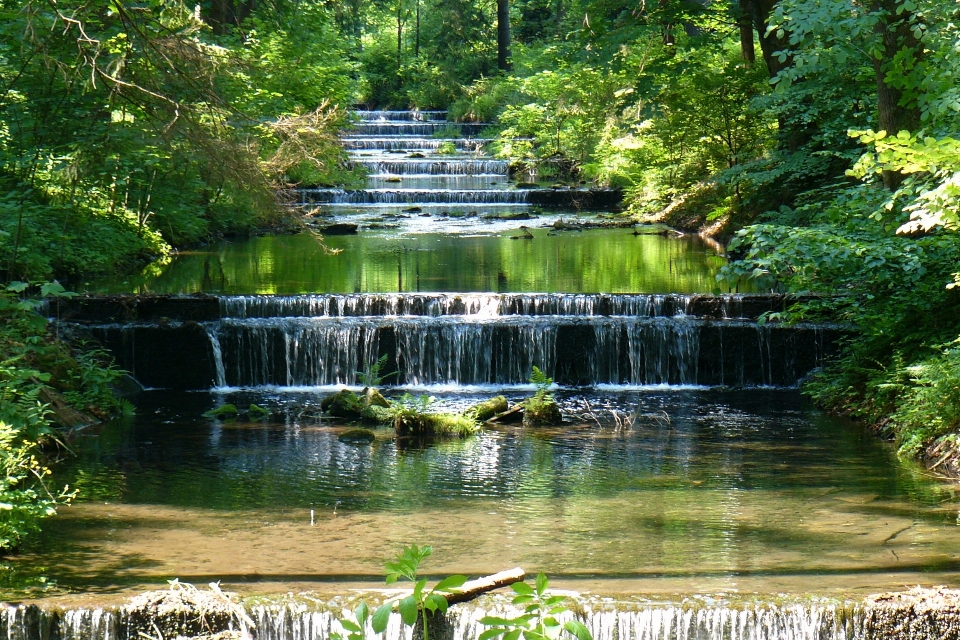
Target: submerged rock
357, 436
339, 229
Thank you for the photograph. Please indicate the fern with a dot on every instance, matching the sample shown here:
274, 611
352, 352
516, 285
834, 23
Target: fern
371, 376
543, 383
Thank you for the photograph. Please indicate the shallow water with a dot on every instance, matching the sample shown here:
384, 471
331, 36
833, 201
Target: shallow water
686, 490
467, 257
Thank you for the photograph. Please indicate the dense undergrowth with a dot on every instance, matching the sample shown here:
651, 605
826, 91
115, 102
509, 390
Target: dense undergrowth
37, 371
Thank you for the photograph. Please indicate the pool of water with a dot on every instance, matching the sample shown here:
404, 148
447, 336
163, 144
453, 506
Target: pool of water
469, 255
677, 489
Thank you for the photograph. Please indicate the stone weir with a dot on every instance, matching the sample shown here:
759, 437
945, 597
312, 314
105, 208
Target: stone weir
199, 342
916, 615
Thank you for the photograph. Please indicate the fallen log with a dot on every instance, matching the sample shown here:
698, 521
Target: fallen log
476, 588
440, 628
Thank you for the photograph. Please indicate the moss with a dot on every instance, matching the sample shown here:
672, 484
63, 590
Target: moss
540, 412
487, 409
223, 411
256, 411
424, 425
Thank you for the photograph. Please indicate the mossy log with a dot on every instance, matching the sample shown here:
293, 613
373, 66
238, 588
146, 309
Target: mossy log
487, 409
427, 425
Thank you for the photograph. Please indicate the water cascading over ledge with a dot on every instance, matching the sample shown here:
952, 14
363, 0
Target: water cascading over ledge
909, 616
480, 339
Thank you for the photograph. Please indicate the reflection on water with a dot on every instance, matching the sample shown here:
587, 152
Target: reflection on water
592, 261
682, 484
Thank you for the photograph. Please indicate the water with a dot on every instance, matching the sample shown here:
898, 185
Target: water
431, 221
705, 512
658, 491
420, 258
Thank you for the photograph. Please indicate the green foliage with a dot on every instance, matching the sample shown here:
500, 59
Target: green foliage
24, 496
422, 600
928, 401
370, 377
539, 619
543, 383
173, 147
31, 361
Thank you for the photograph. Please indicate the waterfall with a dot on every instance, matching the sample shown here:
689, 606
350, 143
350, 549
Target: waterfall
415, 167
410, 116
413, 196
482, 349
470, 304
297, 620
395, 128
411, 143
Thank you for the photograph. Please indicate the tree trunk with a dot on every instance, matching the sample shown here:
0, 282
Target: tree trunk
503, 35
896, 37
399, 43
416, 46
747, 50
770, 44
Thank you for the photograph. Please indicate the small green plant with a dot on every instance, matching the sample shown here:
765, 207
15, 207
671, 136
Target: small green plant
370, 377
447, 148
539, 618
428, 602
541, 408
543, 383
355, 629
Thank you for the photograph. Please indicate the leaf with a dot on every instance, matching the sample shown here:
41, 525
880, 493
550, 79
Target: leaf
17, 286
522, 588
542, 583
380, 617
489, 621
418, 588
491, 633
362, 612
450, 583
408, 610
578, 630
513, 635
436, 602
350, 626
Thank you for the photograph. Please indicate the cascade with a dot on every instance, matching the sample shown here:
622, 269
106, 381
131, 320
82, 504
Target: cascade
446, 167
606, 621
411, 143
467, 349
414, 196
